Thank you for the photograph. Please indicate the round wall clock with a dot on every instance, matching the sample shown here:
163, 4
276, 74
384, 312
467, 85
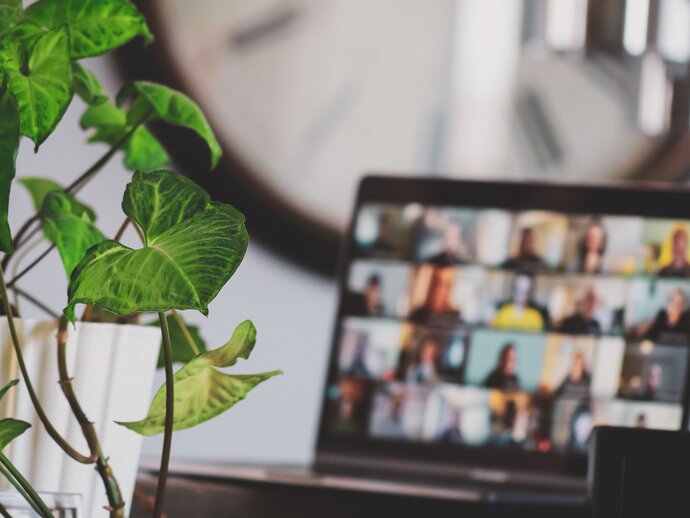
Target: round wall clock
307, 96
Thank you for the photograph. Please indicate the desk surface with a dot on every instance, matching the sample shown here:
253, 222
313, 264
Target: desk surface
199, 498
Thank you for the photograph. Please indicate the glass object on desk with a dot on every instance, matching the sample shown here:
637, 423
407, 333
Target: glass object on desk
63, 505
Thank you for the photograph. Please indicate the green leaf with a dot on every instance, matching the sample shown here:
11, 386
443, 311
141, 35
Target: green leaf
44, 87
104, 115
192, 247
95, 26
142, 150
7, 387
39, 187
9, 12
10, 429
87, 86
202, 391
71, 232
9, 144
156, 101
181, 350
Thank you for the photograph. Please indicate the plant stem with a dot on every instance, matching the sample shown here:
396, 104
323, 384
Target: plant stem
112, 489
185, 332
44, 511
169, 413
30, 266
122, 228
72, 188
19, 489
4, 512
66, 447
35, 302
77, 184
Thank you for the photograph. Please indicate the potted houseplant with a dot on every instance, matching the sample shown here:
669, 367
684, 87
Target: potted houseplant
190, 246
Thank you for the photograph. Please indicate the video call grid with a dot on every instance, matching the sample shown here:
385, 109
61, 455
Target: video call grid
523, 263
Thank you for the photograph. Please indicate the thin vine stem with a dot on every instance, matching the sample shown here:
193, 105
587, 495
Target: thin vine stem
35, 302
169, 413
44, 511
31, 266
185, 332
4, 512
19, 489
112, 489
54, 434
72, 188
123, 227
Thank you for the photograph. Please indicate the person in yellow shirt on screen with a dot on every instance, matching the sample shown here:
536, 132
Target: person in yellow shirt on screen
520, 313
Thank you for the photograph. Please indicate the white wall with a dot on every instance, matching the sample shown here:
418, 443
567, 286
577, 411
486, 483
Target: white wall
292, 310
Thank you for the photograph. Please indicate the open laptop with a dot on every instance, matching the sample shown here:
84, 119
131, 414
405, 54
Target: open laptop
484, 329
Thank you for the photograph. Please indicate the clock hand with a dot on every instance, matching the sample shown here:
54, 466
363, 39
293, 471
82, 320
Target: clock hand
273, 22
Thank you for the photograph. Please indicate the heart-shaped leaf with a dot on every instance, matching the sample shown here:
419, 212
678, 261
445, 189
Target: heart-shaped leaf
95, 26
9, 144
156, 101
9, 12
43, 85
10, 429
202, 391
71, 231
192, 247
87, 86
39, 187
142, 150
182, 351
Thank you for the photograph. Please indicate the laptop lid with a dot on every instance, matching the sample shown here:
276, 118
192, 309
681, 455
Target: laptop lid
493, 324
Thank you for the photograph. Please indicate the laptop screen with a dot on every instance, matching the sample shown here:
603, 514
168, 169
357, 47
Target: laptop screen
507, 330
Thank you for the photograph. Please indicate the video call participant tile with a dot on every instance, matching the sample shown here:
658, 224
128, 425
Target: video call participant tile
369, 348
505, 360
653, 372
457, 415
430, 355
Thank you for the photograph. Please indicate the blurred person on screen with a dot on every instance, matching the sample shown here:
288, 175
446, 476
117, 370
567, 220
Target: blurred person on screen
358, 368
592, 247
580, 428
576, 382
370, 301
650, 390
423, 369
641, 421
346, 419
671, 323
583, 321
437, 302
526, 259
453, 248
392, 425
520, 312
504, 423
453, 434
678, 266
504, 376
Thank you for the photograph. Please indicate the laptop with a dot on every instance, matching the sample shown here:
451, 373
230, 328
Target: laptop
485, 328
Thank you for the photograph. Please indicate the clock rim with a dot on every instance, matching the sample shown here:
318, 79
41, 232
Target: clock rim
276, 223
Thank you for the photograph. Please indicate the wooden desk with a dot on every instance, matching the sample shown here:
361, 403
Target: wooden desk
196, 498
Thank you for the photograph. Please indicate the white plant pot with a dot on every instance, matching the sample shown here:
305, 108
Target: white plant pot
113, 368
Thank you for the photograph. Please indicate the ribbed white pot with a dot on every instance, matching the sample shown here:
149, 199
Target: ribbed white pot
113, 368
